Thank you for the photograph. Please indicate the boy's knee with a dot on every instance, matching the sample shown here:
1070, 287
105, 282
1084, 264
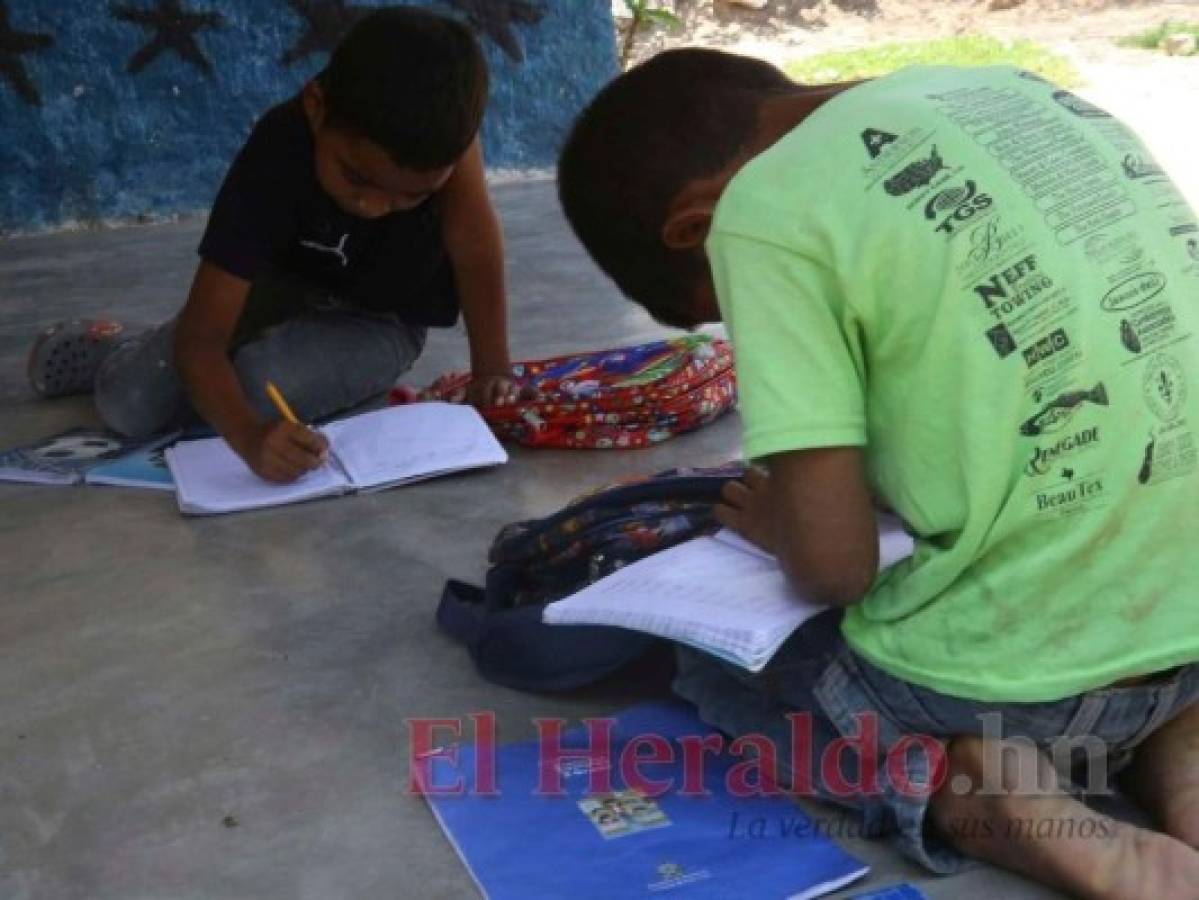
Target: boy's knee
307, 394
961, 803
255, 366
966, 756
390, 352
351, 366
997, 768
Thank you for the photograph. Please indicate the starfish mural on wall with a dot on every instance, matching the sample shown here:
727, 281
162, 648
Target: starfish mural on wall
327, 22
174, 28
495, 19
13, 43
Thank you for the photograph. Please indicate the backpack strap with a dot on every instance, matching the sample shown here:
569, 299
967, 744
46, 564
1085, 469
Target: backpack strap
460, 612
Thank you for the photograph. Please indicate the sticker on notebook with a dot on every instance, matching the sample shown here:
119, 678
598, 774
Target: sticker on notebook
623, 813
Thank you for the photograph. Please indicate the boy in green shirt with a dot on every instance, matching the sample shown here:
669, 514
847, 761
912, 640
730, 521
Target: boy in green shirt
968, 294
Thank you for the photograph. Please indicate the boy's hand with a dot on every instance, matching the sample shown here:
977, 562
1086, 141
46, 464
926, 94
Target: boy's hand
492, 390
749, 509
283, 451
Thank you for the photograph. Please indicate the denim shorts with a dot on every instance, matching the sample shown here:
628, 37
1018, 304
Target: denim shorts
1090, 737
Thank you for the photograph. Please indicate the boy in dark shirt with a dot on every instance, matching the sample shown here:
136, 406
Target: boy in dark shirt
356, 216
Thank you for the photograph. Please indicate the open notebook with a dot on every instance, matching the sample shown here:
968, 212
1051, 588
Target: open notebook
719, 594
373, 451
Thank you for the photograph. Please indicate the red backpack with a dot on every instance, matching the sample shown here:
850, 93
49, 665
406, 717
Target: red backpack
609, 399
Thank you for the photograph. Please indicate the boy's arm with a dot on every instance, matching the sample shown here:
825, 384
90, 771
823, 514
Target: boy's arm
277, 451
474, 241
814, 512
801, 384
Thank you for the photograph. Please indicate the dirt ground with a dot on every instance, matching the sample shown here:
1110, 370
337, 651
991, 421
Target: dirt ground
1084, 30
1156, 94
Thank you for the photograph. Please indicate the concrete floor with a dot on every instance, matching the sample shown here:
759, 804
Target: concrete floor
158, 674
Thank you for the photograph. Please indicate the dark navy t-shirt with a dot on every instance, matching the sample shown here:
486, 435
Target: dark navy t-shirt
271, 217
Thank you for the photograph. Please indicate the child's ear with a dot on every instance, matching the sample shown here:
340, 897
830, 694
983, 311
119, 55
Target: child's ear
689, 216
686, 228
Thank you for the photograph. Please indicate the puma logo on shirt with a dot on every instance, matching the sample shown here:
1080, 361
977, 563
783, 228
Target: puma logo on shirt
338, 251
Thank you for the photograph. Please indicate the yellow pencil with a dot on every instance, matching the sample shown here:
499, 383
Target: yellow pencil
280, 403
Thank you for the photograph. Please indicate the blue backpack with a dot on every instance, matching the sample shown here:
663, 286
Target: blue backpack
539, 561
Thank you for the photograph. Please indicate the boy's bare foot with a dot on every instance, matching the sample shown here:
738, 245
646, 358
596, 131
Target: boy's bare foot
1021, 821
1164, 776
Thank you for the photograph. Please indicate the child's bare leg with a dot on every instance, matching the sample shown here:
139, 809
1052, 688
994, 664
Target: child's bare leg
1164, 776
1031, 827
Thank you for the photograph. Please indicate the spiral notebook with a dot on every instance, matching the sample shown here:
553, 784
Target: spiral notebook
369, 452
719, 594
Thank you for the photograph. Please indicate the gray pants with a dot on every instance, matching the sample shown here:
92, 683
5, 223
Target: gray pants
324, 361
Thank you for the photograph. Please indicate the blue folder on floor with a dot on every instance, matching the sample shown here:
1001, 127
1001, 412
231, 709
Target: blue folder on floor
622, 842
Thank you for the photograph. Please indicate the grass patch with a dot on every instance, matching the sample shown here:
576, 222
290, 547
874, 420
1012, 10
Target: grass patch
1151, 39
966, 50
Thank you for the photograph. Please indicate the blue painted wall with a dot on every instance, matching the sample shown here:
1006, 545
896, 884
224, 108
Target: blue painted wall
105, 143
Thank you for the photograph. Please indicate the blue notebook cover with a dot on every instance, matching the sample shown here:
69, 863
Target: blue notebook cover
894, 892
67, 457
623, 842
143, 469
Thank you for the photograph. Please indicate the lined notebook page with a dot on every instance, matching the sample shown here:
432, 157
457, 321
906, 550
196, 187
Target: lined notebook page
210, 478
708, 592
406, 443
719, 594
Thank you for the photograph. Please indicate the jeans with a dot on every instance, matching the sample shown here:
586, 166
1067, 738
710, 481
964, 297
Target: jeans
325, 357
817, 673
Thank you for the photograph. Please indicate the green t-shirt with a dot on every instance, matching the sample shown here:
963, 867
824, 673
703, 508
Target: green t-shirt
987, 283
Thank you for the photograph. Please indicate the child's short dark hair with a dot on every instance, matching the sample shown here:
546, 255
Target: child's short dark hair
681, 116
411, 81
